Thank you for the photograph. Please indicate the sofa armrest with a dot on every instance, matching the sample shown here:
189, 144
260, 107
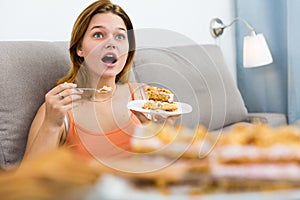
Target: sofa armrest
272, 119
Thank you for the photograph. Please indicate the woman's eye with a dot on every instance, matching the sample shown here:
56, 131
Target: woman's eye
120, 37
98, 35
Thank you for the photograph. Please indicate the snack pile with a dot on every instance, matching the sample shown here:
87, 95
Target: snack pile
257, 156
172, 141
247, 157
160, 99
179, 149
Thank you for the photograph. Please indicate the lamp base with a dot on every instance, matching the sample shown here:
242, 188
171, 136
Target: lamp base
216, 27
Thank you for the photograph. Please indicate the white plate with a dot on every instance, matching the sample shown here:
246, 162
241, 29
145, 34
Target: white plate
138, 104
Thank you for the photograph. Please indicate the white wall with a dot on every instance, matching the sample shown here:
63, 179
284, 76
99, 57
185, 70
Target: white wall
52, 20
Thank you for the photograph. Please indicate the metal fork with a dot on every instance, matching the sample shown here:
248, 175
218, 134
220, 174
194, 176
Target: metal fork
100, 91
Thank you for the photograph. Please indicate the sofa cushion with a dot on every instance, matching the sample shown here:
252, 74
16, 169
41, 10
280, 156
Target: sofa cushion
198, 75
28, 70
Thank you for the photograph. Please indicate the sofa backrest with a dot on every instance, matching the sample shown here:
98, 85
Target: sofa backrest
199, 76
28, 70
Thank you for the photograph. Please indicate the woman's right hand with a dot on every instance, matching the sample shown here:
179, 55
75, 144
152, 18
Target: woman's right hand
58, 101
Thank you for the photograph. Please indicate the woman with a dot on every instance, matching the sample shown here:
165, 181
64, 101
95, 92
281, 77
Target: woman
101, 49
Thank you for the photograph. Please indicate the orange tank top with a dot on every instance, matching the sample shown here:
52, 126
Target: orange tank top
91, 144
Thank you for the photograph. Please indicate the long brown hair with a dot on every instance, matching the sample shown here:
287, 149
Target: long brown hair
79, 29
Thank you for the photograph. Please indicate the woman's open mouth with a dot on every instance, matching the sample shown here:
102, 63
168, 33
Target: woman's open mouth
109, 59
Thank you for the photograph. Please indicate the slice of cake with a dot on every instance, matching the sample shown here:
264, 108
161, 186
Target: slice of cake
160, 99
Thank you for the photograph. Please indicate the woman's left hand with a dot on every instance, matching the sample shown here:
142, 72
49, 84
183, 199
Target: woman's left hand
155, 118
164, 119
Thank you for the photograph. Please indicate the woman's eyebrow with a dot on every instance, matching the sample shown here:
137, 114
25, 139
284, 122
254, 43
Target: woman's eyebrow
122, 29
99, 26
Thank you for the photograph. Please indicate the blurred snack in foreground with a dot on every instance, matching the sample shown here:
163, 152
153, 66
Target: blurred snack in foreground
252, 157
172, 141
179, 146
257, 157
58, 174
245, 158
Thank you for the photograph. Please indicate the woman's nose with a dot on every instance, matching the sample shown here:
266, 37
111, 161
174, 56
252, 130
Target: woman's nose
110, 46
110, 43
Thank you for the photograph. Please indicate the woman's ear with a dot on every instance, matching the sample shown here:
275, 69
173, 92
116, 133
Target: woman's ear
79, 51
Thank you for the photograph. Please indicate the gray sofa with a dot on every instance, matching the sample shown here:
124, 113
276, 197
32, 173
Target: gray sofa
197, 74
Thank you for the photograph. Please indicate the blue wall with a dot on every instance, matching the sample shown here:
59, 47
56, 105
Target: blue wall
264, 89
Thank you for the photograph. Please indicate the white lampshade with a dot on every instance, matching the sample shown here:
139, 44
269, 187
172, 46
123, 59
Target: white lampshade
256, 51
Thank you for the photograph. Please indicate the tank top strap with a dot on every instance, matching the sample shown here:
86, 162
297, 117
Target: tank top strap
69, 117
137, 90
131, 91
